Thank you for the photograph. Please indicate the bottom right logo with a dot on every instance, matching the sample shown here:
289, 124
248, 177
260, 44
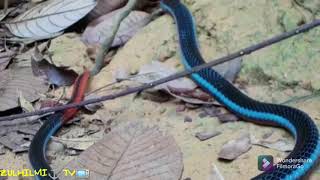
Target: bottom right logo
265, 162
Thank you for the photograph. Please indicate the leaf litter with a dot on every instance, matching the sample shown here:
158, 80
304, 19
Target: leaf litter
100, 29
132, 151
49, 18
236, 147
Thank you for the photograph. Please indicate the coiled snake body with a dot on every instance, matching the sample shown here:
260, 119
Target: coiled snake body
299, 124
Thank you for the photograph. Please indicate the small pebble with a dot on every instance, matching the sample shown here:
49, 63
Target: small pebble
187, 119
180, 108
202, 136
56, 147
212, 111
228, 118
203, 115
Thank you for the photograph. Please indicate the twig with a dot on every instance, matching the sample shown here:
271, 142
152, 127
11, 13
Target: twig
6, 4
232, 56
125, 11
301, 98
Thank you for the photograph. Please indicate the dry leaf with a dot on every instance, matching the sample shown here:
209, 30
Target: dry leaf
229, 70
274, 141
82, 143
157, 70
132, 152
49, 18
55, 75
14, 141
100, 29
235, 148
105, 6
25, 104
15, 80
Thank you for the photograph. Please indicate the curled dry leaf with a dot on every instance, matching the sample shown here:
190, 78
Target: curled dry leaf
156, 70
101, 28
17, 80
49, 18
55, 75
235, 148
183, 88
132, 151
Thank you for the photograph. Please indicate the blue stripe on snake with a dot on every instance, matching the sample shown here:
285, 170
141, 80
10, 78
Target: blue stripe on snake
307, 146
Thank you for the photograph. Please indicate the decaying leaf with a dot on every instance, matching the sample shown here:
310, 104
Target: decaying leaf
274, 141
82, 143
14, 141
100, 29
132, 152
229, 70
4, 13
235, 148
15, 80
157, 70
49, 18
55, 75
25, 104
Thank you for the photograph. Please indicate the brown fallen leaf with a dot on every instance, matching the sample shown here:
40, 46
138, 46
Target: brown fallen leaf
234, 148
131, 151
59, 76
15, 80
100, 29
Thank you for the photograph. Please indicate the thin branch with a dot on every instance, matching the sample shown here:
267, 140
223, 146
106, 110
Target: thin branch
232, 56
125, 11
6, 4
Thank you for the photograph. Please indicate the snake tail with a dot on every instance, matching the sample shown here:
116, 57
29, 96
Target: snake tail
38, 146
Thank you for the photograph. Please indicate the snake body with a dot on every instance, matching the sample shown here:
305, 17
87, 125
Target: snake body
298, 123
302, 127
38, 146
